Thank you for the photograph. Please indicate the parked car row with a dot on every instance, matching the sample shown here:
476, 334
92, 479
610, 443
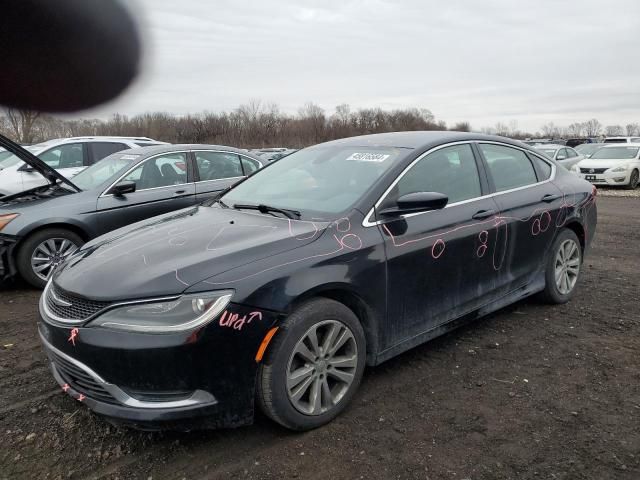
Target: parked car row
68, 156
614, 164
41, 226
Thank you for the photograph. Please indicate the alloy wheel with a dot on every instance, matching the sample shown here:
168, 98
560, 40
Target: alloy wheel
49, 254
567, 266
322, 367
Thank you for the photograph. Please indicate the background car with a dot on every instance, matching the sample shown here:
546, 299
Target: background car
622, 140
615, 164
279, 292
69, 156
565, 156
588, 149
39, 228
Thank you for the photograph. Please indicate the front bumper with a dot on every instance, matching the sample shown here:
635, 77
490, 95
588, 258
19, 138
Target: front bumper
7, 265
607, 178
194, 380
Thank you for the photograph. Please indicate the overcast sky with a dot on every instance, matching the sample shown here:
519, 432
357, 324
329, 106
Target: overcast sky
481, 61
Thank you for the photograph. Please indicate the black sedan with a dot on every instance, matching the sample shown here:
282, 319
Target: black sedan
40, 227
280, 291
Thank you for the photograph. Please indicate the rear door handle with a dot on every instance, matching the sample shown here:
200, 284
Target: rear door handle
548, 198
482, 214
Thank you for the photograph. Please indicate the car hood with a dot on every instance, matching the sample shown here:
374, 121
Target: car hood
30, 159
165, 255
602, 162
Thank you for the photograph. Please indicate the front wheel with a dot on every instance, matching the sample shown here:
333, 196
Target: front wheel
563, 268
313, 367
42, 252
633, 180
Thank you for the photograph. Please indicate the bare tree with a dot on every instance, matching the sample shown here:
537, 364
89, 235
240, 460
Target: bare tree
633, 129
592, 128
575, 129
462, 127
21, 123
613, 130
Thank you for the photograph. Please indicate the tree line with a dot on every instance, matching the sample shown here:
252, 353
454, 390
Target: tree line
255, 125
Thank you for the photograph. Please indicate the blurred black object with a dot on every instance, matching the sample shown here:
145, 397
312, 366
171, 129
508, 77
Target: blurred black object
65, 55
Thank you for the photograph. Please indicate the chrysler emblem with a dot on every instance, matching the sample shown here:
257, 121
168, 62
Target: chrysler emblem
592, 171
59, 301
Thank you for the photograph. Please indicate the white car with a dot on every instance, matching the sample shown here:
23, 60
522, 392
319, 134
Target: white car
565, 156
69, 156
617, 164
622, 140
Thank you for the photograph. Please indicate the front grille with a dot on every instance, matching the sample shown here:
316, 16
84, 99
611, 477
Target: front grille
595, 170
78, 309
80, 380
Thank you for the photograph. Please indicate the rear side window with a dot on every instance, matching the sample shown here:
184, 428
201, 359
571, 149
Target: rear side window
249, 165
543, 167
102, 150
69, 155
451, 170
509, 167
218, 165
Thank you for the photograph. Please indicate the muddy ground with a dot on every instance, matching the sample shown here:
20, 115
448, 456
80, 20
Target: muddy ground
531, 392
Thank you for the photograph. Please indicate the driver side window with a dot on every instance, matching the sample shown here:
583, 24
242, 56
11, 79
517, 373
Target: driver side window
450, 170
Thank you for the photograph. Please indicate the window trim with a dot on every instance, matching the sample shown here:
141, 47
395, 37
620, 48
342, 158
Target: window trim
186, 153
370, 221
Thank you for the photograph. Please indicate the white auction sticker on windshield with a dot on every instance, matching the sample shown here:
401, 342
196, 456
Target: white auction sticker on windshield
368, 157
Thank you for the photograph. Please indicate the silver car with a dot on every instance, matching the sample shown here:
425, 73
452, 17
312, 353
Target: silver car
565, 156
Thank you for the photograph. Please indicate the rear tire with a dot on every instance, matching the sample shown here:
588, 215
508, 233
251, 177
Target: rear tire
302, 387
633, 180
564, 267
59, 242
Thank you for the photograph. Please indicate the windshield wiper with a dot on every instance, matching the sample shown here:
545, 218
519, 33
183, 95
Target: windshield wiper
293, 214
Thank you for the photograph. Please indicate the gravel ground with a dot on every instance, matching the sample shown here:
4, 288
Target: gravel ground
533, 391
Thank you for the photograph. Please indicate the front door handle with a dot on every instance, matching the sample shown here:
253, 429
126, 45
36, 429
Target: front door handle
482, 214
179, 192
549, 197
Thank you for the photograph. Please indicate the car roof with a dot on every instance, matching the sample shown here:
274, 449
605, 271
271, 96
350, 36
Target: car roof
420, 139
629, 144
550, 145
154, 149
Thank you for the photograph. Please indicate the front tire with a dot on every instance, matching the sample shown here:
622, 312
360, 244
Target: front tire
313, 367
41, 252
633, 180
564, 266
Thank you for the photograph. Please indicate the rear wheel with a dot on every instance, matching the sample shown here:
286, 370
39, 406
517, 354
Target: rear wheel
313, 367
633, 181
563, 268
43, 251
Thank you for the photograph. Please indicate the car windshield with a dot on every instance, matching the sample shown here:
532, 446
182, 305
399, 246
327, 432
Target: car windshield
586, 149
7, 159
101, 171
549, 152
317, 181
621, 153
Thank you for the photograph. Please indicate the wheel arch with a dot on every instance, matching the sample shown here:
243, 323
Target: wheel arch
577, 228
78, 230
342, 293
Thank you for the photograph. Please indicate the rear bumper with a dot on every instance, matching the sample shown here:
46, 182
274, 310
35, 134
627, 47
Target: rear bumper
7, 264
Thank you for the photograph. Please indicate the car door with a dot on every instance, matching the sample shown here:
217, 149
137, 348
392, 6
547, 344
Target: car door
530, 207
215, 171
163, 184
100, 150
441, 264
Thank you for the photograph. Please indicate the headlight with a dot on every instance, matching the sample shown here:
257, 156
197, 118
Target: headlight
619, 169
5, 219
184, 313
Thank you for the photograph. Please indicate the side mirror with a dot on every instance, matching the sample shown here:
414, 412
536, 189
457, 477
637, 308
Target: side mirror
561, 157
417, 202
122, 188
26, 168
